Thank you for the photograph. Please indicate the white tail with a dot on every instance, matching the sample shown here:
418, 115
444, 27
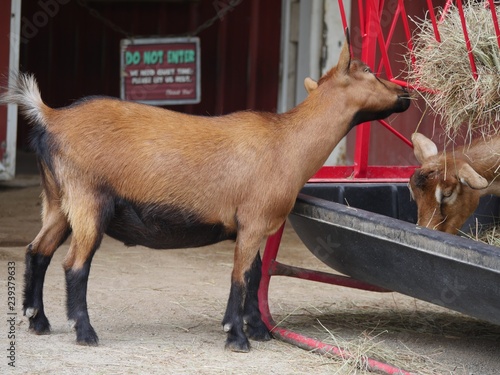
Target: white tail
25, 93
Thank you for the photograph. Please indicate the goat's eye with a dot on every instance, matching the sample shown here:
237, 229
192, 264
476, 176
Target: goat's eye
367, 70
449, 195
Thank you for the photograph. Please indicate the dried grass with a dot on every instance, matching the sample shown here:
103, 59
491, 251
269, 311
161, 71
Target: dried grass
489, 234
368, 345
382, 333
443, 70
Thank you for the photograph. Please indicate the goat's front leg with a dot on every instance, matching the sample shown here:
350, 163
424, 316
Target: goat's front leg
255, 327
247, 246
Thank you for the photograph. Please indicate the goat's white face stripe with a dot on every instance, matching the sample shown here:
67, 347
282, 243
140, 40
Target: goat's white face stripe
438, 194
449, 200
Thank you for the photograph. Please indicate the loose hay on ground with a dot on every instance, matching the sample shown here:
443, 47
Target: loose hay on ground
383, 334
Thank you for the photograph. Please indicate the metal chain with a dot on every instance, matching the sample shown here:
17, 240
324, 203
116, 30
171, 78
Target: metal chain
222, 8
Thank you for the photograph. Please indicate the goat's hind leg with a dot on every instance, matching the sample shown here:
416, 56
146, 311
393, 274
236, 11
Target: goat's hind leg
55, 230
89, 215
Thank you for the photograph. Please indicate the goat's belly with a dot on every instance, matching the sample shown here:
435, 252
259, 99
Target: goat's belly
163, 227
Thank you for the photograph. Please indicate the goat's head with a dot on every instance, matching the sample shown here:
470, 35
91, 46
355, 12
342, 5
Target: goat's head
373, 98
445, 188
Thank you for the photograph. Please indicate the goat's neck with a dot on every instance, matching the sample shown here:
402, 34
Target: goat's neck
313, 129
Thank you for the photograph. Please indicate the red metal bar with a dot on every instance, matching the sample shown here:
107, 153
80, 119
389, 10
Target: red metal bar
270, 254
361, 150
447, 7
342, 15
319, 347
361, 11
371, 33
389, 38
291, 337
495, 20
383, 52
401, 83
380, 6
369, 43
374, 173
396, 133
467, 40
406, 27
433, 20
279, 269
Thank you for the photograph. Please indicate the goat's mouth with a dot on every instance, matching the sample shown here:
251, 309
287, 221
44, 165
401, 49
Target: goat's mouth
403, 102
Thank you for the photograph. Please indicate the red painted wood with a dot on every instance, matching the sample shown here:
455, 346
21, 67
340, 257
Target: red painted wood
75, 54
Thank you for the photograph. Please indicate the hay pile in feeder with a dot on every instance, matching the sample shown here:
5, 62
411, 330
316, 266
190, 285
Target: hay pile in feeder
489, 234
444, 69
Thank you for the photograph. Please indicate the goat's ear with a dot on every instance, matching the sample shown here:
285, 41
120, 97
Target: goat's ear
310, 85
470, 177
345, 55
423, 147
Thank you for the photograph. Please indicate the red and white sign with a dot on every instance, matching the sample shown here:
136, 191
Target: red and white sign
161, 71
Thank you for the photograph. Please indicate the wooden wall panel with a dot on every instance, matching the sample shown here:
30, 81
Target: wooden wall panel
75, 54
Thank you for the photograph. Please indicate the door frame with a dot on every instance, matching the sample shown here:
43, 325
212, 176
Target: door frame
8, 160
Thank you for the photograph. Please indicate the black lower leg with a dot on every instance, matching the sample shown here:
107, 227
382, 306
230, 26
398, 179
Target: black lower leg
233, 320
34, 276
256, 329
76, 287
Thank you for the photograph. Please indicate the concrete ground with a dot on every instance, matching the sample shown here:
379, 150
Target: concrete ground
159, 312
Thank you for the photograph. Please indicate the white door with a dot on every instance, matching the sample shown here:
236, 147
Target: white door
311, 39
8, 114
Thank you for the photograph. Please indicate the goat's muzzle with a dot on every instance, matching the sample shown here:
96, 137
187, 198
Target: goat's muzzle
403, 101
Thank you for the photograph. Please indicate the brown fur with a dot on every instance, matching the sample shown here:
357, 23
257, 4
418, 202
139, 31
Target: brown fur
463, 175
242, 171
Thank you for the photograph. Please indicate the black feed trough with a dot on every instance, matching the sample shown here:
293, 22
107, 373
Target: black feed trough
367, 232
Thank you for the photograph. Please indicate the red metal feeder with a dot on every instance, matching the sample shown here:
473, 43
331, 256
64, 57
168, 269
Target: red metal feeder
405, 256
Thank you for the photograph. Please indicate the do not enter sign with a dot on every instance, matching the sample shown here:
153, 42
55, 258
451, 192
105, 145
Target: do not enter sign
161, 71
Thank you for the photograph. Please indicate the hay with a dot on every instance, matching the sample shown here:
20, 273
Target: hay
443, 70
488, 234
368, 345
382, 333
491, 236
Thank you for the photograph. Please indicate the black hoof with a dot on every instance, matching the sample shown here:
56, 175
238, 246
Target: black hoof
86, 337
258, 332
39, 325
238, 345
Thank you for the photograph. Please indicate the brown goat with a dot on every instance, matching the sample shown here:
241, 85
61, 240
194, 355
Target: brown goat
448, 185
162, 179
